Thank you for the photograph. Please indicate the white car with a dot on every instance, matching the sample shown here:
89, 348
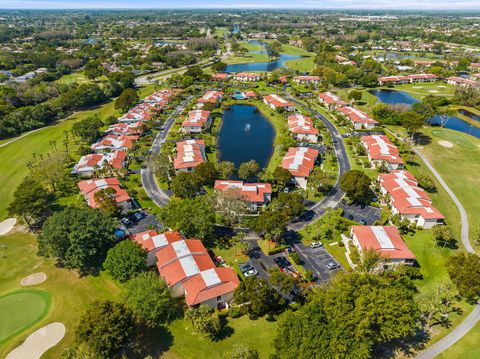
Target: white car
316, 245
250, 273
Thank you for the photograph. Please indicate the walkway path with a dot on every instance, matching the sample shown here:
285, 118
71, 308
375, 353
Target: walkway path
149, 183
473, 318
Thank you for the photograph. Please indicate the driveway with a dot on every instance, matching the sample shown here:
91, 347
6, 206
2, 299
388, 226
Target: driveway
149, 181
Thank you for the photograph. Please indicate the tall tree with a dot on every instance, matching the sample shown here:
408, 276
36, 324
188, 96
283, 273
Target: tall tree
88, 129
127, 99
204, 321
248, 169
464, 270
356, 185
125, 260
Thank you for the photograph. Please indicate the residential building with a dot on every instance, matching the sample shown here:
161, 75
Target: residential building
409, 200
393, 80
113, 142
210, 97
188, 270
256, 195
220, 76
197, 121
380, 150
152, 242
247, 77
415, 78
89, 187
125, 128
305, 80
275, 102
300, 161
89, 164
385, 240
190, 154
359, 119
331, 101
460, 81
302, 127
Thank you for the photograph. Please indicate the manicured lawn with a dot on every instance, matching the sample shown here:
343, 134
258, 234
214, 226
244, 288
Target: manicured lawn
71, 294
305, 64
186, 344
21, 309
465, 348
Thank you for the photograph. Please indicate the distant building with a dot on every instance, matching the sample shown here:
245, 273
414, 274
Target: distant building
359, 119
393, 80
211, 97
113, 142
331, 100
305, 80
89, 164
247, 77
460, 81
256, 195
152, 242
220, 76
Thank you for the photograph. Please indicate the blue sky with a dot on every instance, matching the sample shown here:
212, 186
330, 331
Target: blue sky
267, 4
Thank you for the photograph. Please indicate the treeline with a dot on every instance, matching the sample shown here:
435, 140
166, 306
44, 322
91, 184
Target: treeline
77, 97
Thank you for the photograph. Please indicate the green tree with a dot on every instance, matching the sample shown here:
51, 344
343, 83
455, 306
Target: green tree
225, 169
127, 99
206, 174
125, 260
356, 185
185, 185
93, 69
204, 321
161, 165
282, 176
412, 121
270, 224
256, 295
284, 282
149, 298
348, 319
194, 217
106, 328
248, 169
105, 198
464, 270
78, 238
355, 95
443, 235
32, 202
88, 129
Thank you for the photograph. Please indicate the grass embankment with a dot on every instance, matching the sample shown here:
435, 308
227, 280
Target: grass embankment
304, 64
15, 156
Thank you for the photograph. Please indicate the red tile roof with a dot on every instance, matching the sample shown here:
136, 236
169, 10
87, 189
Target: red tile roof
114, 142
306, 78
356, 115
423, 76
384, 239
300, 124
125, 128
330, 98
251, 192
406, 196
300, 161
89, 163
90, 187
380, 148
151, 240
221, 76
246, 75
211, 96
190, 153
277, 101
196, 118
461, 80
393, 78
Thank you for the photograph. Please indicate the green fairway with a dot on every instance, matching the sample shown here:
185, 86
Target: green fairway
21, 309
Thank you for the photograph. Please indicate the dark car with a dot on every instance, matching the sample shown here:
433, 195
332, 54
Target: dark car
282, 262
138, 216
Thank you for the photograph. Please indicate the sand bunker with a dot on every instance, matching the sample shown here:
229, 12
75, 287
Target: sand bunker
39, 342
33, 279
7, 225
433, 91
417, 87
444, 143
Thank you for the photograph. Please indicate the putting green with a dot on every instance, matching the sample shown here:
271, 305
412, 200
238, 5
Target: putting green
21, 309
452, 136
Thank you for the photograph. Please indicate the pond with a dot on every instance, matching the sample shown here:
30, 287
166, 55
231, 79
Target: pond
470, 115
245, 134
454, 123
394, 97
262, 66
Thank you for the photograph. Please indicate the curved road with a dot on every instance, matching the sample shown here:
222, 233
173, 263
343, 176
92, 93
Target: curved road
149, 181
472, 319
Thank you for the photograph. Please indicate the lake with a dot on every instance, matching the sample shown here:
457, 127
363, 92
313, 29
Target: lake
262, 66
455, 123
470, 115
245, 134
394, 97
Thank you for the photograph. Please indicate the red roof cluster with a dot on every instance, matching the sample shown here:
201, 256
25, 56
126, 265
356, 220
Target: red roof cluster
423, 76
331, 99
250, 192
384, 239
300, 124
220, 76
406, 196
277, 101
393, 78
196, 118
300, 161
90, 187
462, 81
211, 97
356, 116
306, 78
246, 75
380, 148
93, 161
151, 240
186, 262
114, 142
130, 128
190, 154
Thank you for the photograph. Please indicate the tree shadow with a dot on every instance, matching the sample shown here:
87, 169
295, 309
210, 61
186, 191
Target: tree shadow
422, 139
226, 330
408, 347
150, 342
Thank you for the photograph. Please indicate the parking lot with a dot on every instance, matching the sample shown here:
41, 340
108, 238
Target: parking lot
316, 260
366, 216
149, 221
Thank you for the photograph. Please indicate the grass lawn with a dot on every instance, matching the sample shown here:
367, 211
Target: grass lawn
21, 309
465, 348
305, 64
70, 293
186, 344
220, 31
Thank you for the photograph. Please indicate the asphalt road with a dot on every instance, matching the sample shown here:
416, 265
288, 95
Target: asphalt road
149, 182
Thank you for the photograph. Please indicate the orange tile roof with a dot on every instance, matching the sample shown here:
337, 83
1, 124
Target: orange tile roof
151, 240
251, 192
90, 187
380, 148
277, 101
300, 124
190, 154
196, 118
300, 161
356, 115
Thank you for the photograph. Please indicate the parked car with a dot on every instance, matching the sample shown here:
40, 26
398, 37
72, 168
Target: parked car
126, 221
139, 216
250, 273
282, 262
332, 265
362, 222
245, 267
316, 245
